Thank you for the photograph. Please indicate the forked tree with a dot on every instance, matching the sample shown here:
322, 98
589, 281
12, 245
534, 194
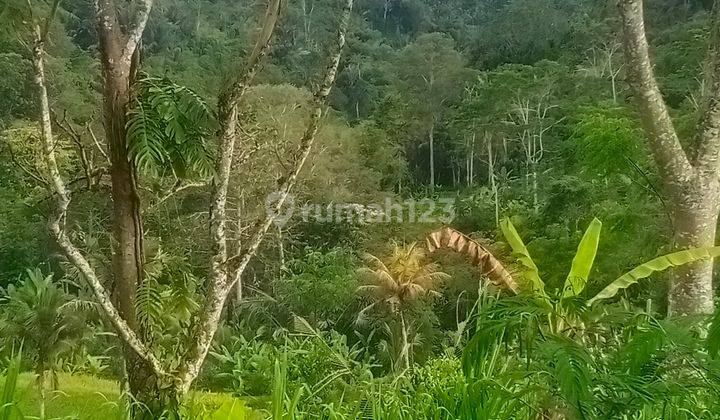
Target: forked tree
154, 383
689, 170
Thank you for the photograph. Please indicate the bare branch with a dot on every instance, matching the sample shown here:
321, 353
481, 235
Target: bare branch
23, 167
218, 287
668, 152
88, 128
178, 187
221, 286
708, 140
57, 224
136, 28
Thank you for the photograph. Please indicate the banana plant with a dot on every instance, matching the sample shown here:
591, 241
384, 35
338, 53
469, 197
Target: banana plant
583, 262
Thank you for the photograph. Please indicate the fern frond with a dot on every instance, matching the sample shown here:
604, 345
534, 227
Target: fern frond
148, 304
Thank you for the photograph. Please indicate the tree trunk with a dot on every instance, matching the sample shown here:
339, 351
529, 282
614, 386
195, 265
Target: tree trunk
690, 184
491, 179
152, 397
695, 218
431, 139
536, 203
118, 58
471, 175
404, 351
41, 390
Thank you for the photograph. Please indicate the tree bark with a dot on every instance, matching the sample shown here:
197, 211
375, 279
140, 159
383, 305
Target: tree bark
695, 213
405, 350
691, 185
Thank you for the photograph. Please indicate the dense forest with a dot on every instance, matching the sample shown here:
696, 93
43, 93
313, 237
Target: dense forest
368, 209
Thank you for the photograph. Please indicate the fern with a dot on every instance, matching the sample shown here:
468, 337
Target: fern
148, 305
167, 127
570, 368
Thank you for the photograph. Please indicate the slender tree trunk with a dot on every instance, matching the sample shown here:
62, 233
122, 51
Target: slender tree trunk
536, 203
471, 176
467, 163
431, 139
492, 182
41, 390
405, 351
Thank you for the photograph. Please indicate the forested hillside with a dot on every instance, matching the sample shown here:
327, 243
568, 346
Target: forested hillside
250, 200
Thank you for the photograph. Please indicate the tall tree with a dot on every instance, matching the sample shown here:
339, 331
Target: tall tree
431, 74
690, 173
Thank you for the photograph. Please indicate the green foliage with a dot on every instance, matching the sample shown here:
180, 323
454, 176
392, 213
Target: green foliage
8, 404
244, 366
713, 338
41, 317
167, 128
607, 140
319, 286
461, 67
569, 364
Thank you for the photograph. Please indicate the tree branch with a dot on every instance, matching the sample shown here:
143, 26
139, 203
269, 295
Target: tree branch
708, 135
217, 287
136, 28
57, 224
667, 150
215, 302
49, 19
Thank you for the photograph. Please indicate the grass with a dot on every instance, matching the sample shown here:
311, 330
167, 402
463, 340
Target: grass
87, 397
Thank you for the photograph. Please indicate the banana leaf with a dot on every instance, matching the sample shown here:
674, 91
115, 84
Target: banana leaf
658, 264
531, 272
583, 261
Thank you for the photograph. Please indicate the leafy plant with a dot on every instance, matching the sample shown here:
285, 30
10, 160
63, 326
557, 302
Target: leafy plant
167, 127
584, 259
402, 279
44, 319
8, 405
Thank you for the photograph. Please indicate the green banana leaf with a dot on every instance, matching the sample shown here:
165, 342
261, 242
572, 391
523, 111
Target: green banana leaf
658, 264
531, 273
583, 261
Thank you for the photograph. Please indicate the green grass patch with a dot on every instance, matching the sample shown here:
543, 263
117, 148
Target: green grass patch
86, 397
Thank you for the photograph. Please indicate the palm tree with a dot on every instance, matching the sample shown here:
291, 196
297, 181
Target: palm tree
402, 279
43, 319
